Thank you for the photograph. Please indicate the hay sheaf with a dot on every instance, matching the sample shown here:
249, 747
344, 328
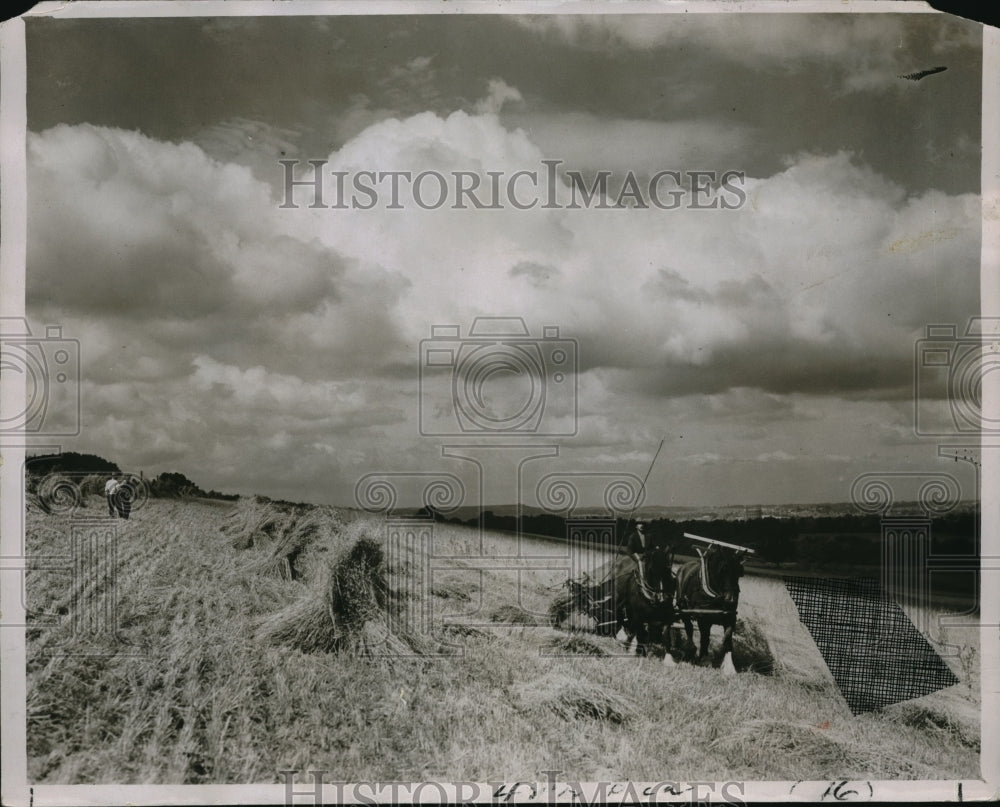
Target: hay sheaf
572, 600
751, 650
572, 699
297, 536
257, 521
561, 607
354, 611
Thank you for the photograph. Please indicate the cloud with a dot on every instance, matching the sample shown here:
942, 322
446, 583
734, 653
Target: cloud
536, 274
775, 456
179, 250
860, 52
256, 144
584, 140
209, 314
411, 84
499, 92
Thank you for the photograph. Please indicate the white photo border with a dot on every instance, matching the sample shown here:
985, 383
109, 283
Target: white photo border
16, 790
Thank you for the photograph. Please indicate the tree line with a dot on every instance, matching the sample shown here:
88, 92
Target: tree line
95, 470
847, 539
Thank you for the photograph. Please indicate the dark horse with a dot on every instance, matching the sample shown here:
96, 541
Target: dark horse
708, 589
645, 599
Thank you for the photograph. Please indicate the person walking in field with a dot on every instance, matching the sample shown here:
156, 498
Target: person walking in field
110, 491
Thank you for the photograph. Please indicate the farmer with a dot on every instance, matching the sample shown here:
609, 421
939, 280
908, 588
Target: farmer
110, 491
638, 543
124, 494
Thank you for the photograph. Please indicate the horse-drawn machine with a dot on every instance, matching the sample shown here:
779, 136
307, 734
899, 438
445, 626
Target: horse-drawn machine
642, 601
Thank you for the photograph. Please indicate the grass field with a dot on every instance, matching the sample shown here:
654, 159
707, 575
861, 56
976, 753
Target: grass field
238, 654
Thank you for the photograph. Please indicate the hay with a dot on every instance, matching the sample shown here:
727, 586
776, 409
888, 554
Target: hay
575, 608
93, 484
447, 590
572, 698
257, 521
948, 727
770, 745
297, 536
59, 494
354, 612
513, 615
561, 608
751, 650
576, 645
466, 631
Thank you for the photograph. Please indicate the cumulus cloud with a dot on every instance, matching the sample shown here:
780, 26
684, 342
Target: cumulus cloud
181, 250
211, 313
587, 140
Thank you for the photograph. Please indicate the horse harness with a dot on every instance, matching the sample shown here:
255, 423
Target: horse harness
599, 596
647, 590
706, 586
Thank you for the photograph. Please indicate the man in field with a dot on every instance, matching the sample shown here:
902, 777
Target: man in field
641, 545
123, 497
638, 542
110, 489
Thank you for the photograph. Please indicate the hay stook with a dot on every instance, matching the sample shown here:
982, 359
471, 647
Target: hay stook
354, 611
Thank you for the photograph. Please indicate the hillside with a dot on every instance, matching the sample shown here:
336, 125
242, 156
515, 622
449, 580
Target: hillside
238, 653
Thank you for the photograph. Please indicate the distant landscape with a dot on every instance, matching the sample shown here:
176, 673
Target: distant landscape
830, 538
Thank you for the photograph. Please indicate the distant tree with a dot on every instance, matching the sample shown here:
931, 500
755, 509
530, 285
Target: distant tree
776, 547
69, 463
174, 485
229, 497
429, 511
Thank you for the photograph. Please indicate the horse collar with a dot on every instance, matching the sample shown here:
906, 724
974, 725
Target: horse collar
704, 576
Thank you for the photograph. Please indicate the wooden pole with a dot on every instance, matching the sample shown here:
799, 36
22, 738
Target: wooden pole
643, 486
720, 543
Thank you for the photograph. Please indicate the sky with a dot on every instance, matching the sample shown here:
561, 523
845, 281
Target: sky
280, 350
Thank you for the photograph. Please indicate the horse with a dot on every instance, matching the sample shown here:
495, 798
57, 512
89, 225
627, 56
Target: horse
709, 589
645, 600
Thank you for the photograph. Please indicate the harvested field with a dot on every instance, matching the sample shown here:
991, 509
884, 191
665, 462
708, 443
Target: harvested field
224, 669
